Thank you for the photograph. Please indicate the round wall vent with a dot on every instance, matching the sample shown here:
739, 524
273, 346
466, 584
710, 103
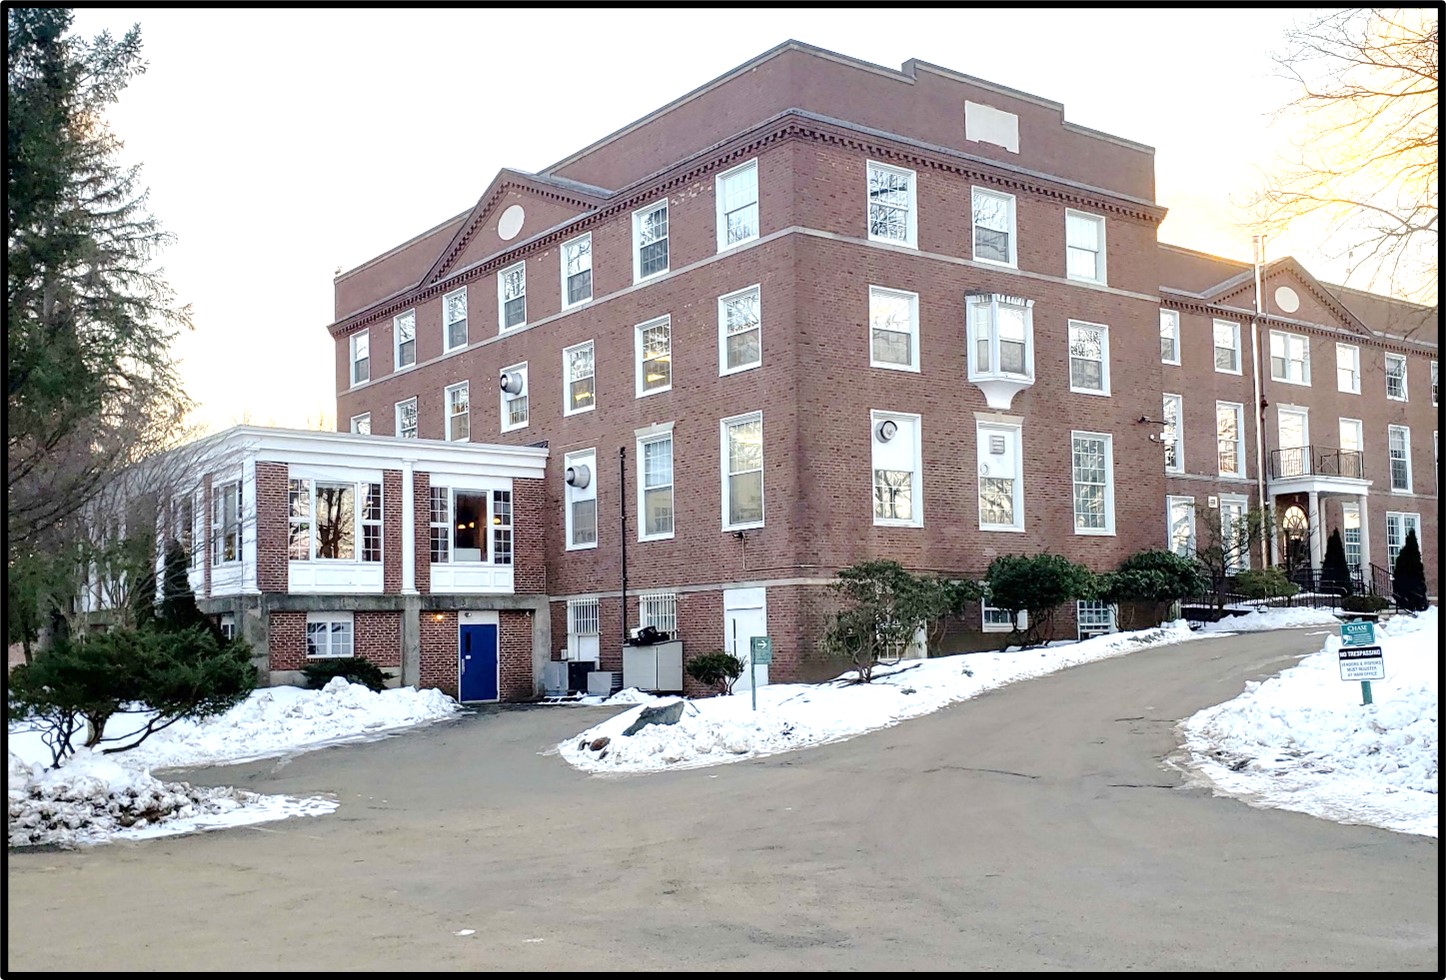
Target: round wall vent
1286, 299
888, 428
510, 223
579, 476
510, 382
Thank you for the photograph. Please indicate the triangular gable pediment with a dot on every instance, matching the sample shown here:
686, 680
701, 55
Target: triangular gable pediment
494, 225
1282, 282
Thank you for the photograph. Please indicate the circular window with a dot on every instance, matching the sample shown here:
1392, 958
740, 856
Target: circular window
510, 223
1286, 299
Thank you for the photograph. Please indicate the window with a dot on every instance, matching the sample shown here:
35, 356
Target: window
227, 625
997, 620
1001, 336
1094, 492
502, 527
371, 522
362, 424
740, 332
512, 297
582, 630
893, 329
1434, 385
1089, 358
458, 420
1396, 377
404, 339
226, 523
650, 241
1290, 358
1398, 439
329, 635
440, 525
655, 487
454, 319
993, 227
737, 194
580, 500
891, 205
1169, 337
1084, 246
513, 393
324, 523
1172, 434
653, 342
1348, 369
1227, 347
1397, 527
298, 520
407, 418
577, 271
577, 370
1353, 440
659, 610
1181, 529
1230, 438
897, 469
742, 452
1232, 528
1094, 618
1001, 477
361, 362
186, 527
458, 522
1351, 534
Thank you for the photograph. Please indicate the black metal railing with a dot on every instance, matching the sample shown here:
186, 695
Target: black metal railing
1317, 461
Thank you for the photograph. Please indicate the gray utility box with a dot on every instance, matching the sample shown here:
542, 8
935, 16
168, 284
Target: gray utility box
658, 667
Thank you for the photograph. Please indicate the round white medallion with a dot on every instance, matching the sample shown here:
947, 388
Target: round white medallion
1286, 299
510, 223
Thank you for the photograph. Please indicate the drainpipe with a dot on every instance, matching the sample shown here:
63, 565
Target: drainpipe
1258, 245
623, 523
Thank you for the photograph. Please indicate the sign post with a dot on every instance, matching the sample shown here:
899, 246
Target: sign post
1360, 659
760, 652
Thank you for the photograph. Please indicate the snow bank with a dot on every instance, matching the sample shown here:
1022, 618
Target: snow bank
1272, 619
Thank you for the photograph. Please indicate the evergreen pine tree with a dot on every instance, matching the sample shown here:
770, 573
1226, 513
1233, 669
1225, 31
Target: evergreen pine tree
1335, 574
1409, 576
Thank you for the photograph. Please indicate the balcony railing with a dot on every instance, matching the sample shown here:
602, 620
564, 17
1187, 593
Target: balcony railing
1317, 461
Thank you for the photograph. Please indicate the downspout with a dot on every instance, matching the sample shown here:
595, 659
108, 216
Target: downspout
623, 523
1258, 245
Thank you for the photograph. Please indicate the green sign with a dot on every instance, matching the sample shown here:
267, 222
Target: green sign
1358, 633
762, 650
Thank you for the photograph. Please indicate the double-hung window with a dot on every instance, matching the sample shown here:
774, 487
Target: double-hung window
1094, 482
407, 418
1351, 535
513, 393
653, 342
362, 424
650, 241
1348, 369
1181, 525
1289, 358
512, 297
1227, 347
655, 486
893, 329
458, 420
1169, 337
1398, 440
577, 374
1001, 476
361, 361
1396, 377
226, 522
1352, 448
897, 468
1172, 434
1397, 527
580, 499
454, 319
891, 205
577, 271
404, 338
1234, 537
742, 458
736, 192
1084, 246
740, 331
993, 215
1089, 358
325, 522
1230, 438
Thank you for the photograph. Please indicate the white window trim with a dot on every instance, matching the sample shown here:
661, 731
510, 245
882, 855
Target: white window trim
638, 216
650, 603
642, 441
994, 301
447, 410
1102, 265
1179, 466
1413, 524
1110, 608
503, 398
979, 444
1360, 428
1021, 620
397, 364
1109, 529
562, 260
1242, 563
911, 226
723, 368
1170, 501
1239, 438
357, 418
397, 418
723, 425
1239, 358
567, 381
916, 479
638, 331
1410, 476
360, 490
447, 327
329, 618
1175, 314
352, 361
1305, 361
913, 299
1356, 370
502, 326
1013, 262
588, 458
1405, 392
1104, 330
722, 219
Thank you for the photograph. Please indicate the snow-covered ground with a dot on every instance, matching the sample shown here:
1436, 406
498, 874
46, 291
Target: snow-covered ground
1272, 619
93, 798
1303, 740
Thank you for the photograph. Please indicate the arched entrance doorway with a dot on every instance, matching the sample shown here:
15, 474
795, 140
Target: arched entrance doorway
1295, 540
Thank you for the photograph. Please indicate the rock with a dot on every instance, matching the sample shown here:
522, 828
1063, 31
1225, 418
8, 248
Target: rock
599, 743
665, 714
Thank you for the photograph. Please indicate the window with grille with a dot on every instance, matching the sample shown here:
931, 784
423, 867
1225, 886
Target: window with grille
407, 418
454, 319
742, 471
1094, 617
502, 527
582, 617
993, 227
459, 427
371, 523
1173, 435
440, 524
512, 296
577, 367
650, 241
1230, 438
299, 520
1093, 484
891, 204
737, 195
1395, 377
1397, 527
654, 342
404, 332
577, 271
1351, 534
1399, 441
660, 611
655, 457
1089, 358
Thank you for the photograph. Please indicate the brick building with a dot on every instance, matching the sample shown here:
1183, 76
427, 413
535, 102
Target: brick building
818, 311
425, 557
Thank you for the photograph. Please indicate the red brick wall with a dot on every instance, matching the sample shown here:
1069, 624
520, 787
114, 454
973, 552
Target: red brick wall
421, 529
514, 655
392, 531
439, 651
378, 637
272, 531
529, 516
286, 640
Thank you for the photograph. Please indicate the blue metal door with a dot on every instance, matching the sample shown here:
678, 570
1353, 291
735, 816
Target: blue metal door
477, 664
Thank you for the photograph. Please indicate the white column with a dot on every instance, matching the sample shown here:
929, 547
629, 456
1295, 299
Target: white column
1316, 538
1365, 540
1274, 533
409, 531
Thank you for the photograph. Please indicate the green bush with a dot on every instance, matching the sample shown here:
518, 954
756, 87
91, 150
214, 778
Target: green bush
1037, 584
1335, 574
716, 669
1408, 578
1264, 583
1367, 602
355, 669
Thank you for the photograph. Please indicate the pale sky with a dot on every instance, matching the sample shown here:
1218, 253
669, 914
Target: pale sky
279, 145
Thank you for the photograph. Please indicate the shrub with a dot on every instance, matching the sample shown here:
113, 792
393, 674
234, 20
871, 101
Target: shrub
1367, 602
1335, 574
355, 669
1408, 578
1264, 583
1147, 583
885, 606
718, 668
1037, 584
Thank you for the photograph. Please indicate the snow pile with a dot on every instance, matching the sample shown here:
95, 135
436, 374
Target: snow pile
629, 695
1303, 741
1272, 619
793, 716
